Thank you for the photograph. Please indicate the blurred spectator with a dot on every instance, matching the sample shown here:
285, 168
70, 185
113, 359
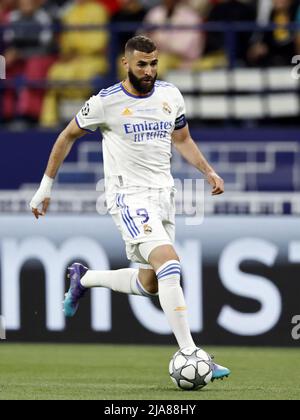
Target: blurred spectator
178, 48
149, 4
227, 11
28, 56
264, 9
202, 6
6, 6
53, 7
112, 6
277, 47
131, 11
82, 58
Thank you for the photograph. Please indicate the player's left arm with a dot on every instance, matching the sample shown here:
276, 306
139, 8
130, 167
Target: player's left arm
187, 147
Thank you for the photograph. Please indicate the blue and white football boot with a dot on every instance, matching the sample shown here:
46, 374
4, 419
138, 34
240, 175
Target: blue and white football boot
76, 291
219, 372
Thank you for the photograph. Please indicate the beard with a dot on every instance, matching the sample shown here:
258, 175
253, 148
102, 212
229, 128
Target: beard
144, 85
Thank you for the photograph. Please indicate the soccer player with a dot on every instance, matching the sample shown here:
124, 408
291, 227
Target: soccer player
140, 118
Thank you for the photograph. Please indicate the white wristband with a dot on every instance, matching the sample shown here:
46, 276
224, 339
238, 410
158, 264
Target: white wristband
43, 192
47, 184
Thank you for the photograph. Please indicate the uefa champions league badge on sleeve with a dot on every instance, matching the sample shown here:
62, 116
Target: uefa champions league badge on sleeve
86, 110
2, 328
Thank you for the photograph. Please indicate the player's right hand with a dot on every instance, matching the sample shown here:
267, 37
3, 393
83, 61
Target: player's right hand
42, 198
35, 207
216, 182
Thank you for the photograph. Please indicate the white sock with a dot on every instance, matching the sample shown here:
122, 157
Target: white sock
125, 281
173, 302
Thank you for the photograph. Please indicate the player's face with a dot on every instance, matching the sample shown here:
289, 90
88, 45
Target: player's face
142, 70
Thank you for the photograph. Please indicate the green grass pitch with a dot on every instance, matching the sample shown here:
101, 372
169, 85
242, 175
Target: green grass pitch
104, 372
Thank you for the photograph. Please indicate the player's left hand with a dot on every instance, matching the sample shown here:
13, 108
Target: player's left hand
216, 182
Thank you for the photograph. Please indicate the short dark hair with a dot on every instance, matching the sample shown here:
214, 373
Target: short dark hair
140, 43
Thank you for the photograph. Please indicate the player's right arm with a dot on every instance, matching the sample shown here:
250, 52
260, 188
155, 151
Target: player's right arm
60, 151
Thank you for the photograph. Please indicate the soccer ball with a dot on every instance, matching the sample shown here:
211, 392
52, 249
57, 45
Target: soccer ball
191, 368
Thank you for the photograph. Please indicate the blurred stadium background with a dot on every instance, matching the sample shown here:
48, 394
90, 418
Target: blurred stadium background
236, 63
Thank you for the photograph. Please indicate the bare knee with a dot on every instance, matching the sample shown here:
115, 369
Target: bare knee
149, 281
161, 255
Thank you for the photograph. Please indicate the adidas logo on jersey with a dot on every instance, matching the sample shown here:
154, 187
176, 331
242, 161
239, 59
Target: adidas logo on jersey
127, 112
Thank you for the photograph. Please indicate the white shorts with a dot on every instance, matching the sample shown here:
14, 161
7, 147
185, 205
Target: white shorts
143, 215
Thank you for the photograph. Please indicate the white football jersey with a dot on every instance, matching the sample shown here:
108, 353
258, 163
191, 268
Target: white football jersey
136, 134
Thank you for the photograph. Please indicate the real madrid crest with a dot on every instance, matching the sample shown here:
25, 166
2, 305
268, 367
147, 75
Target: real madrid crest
147, 229
166, 108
